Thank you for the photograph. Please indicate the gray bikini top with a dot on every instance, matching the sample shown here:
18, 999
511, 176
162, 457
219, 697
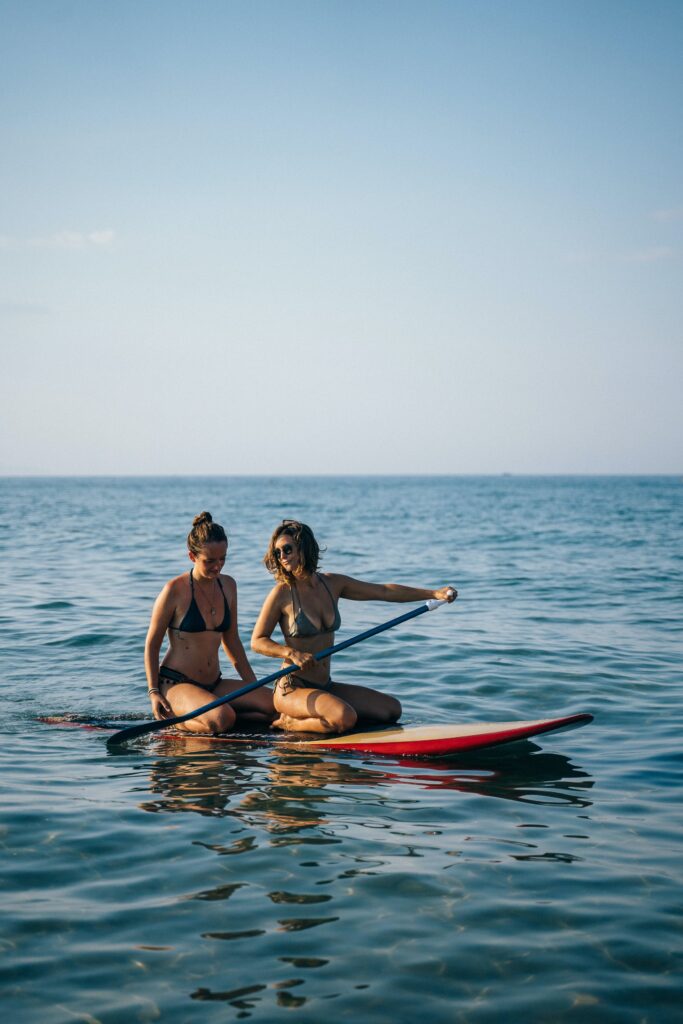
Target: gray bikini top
302, 624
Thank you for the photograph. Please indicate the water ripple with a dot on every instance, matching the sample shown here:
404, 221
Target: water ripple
539, 882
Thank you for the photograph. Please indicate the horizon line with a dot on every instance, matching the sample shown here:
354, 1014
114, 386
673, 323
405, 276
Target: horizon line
338, 476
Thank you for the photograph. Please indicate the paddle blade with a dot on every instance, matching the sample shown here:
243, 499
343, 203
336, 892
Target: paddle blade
133, 731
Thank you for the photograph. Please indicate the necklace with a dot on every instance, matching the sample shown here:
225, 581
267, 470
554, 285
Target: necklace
211, 599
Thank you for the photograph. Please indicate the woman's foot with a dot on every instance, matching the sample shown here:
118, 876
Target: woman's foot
311, 725
285, 722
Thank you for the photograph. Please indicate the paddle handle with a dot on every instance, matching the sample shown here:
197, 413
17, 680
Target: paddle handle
146, 727
436, 603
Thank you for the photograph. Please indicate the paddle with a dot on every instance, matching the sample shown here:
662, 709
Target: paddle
140, 730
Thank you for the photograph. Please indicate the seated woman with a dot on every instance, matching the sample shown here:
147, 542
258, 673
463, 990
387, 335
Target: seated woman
304, 603
199, 612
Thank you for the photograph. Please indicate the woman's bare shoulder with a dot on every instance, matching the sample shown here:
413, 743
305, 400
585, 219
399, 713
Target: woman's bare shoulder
334, 580
171, 595
177, 585
228, 582
279, 596
273, 607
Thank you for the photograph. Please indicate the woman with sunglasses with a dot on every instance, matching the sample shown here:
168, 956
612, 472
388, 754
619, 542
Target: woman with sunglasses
304, 603
198, 610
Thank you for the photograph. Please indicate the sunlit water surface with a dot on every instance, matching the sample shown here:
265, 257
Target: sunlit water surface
187, 881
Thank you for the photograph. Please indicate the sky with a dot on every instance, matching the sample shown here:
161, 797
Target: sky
341, 236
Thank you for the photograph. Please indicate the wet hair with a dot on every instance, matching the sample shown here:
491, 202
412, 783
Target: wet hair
302, 536
204, 531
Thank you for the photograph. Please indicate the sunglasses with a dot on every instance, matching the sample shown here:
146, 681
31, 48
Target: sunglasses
286, 549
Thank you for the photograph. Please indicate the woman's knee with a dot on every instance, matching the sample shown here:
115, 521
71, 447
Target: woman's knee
220, 719
342, 717
390, 711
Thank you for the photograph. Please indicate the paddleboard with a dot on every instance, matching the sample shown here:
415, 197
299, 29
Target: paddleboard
420, 741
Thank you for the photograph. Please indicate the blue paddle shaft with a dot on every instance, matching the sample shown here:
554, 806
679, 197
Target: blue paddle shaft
145, 727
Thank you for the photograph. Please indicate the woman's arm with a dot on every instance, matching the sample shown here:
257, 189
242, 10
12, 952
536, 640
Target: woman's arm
358, 590
162, 615
261, 641
232, 645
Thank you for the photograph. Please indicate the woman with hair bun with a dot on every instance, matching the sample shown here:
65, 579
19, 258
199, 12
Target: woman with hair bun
198, 610
304, 603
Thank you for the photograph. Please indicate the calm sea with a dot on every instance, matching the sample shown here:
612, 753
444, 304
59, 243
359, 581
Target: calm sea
179, 882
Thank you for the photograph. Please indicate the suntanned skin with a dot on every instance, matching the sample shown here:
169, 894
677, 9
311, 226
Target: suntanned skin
337, 707
196, 654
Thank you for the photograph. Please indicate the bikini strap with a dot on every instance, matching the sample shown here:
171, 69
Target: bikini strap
191, 583
334, 603
293, 591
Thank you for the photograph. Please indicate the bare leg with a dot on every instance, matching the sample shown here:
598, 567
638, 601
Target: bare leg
310, 710
256, 706
369, 705
186, 697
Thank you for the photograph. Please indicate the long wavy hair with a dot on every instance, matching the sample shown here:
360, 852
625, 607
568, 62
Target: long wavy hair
309, 551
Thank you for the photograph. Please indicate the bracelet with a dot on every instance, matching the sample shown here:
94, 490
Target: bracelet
155, 689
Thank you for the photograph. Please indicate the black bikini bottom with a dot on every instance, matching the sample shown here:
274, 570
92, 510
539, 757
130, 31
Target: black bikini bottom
170, 675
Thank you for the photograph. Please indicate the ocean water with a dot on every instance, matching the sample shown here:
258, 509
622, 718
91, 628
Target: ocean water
182, 881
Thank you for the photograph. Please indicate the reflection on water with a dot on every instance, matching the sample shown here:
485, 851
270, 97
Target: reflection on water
254, 882
364, 823
527, 775
287, 791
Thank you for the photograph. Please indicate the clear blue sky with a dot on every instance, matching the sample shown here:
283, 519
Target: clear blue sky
346, 237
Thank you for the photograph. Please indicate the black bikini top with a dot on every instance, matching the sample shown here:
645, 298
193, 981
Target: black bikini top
193, 620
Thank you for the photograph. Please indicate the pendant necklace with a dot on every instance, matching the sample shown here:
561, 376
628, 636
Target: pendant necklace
210, 600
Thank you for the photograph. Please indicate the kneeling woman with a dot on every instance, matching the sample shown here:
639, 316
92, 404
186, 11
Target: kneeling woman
199, 612
303, 603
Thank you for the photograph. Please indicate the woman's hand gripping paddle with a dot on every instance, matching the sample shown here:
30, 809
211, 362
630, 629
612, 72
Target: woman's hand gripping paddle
145, 727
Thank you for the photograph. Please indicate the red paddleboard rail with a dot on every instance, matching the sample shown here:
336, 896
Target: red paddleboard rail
435, 741
422, 741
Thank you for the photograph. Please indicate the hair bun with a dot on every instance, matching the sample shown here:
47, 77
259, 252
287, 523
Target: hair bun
204, 531
203, 517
